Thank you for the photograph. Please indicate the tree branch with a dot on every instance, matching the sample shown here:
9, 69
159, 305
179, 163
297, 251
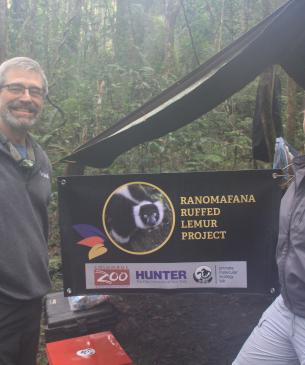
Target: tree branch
190, 32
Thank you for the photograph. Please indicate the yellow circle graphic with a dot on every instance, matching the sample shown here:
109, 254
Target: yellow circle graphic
138, 218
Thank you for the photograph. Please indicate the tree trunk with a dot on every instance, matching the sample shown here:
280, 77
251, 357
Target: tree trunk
122, 37
3, 27
172, 8
291, 110
220, 32
246, 15
197, 61
32, 25
46, 36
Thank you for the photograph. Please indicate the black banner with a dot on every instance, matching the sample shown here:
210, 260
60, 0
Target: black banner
209, 231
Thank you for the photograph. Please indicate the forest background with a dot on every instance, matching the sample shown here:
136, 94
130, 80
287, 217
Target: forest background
105, 58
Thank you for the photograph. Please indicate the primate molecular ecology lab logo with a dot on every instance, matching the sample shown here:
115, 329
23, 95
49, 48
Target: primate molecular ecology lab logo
203, 275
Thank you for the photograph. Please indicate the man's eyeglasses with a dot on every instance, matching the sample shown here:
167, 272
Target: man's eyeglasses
19, 89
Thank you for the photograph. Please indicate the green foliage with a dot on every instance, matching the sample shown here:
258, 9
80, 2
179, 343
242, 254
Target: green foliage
104, 59
55, 269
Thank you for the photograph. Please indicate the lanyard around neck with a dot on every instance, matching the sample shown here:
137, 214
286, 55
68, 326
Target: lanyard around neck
28, 162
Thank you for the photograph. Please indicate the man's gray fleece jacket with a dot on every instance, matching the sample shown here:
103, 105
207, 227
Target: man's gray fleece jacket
24, 226
291, 242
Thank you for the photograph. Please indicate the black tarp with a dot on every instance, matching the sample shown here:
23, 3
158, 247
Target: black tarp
267, 120
278, 39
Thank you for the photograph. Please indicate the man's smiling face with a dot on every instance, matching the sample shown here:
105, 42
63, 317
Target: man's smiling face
20, 111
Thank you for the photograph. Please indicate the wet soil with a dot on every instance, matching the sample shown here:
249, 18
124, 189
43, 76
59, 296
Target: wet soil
186, 329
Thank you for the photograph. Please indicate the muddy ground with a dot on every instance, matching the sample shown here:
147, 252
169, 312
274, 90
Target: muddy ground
186, 329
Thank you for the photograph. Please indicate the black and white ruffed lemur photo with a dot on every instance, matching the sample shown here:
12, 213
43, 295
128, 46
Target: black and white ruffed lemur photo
132, 210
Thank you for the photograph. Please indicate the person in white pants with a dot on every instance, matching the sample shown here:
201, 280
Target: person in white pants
279, 337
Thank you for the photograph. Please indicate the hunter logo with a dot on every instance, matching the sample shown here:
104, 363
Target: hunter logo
203, 274
111, 276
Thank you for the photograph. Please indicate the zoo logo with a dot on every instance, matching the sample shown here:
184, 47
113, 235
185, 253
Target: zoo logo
203, 275
111, 277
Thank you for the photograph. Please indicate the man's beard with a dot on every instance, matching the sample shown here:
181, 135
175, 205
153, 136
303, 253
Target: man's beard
19, 123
